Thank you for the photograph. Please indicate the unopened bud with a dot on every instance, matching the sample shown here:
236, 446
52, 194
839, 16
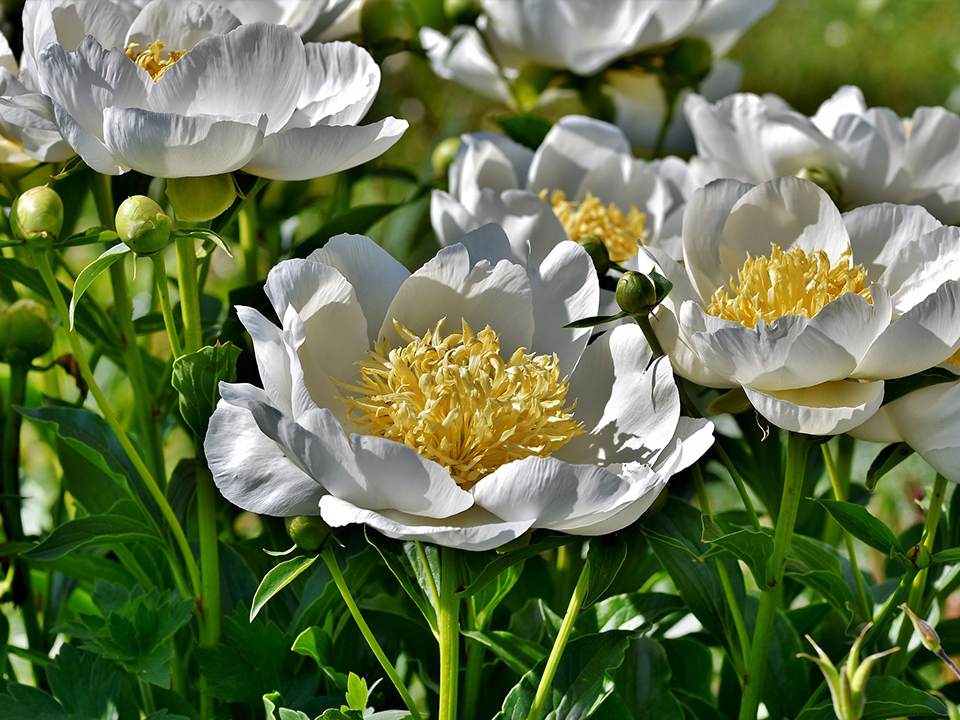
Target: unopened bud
142, 225
36, 217
920, 556
928, 636
443, 155
597, 251
825, 181
25, 332
309, 532
198, 199
636, 293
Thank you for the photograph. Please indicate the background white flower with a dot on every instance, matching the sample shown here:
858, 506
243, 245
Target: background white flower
872, 154
851, 301
206, 94
295, 448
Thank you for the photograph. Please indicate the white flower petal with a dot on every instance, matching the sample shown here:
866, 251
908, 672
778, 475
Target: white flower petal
87, 145
692, 439
463, 57
827, 409
565, 288
305, 153
252, 471
484, 163
178, 25
171, 146
373, 272
528, 221
474, 530
256, 68
487, 243
848, 100
880, 233
272, 358
340, 85
449, 218
450, 286
29, 120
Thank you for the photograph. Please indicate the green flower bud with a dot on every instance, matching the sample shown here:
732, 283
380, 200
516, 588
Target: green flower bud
462, 12
598, 253
25, 332
198, 199
383, 21
37, 217
443, 155
920, 556
143, 226
928, 636
636, 293
825, 180
309, 532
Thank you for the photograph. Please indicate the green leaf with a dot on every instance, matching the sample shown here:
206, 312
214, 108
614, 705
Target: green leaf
630, 611
92, 271
886, 697
404, 561
858, 521
519, 654
650, 688
548, 541
894, 389
950, 556
524, 128
315, 643
90, 236
885, 461
277, 579
355, 220
605, 555
732, 401
119, 525
596, 320
197, 377
581, 682
357, 692
204, 235
754, 549
490, 597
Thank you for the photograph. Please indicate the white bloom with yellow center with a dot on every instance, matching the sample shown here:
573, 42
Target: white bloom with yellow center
183, 89
448, 405
582, 180
809, 311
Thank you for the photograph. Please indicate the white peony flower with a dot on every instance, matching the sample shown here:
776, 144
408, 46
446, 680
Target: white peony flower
870, 153
582, 180
185, 90
448, 405
313, 20
809, 311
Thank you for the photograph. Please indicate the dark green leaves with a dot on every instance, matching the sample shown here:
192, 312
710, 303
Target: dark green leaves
604, 558
866, 528
885, 461
278, 578
524, 128
887, 697
197, 377
120, 525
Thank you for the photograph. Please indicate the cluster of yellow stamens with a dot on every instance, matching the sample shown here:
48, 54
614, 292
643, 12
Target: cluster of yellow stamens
152, 59
787, 283
456, 401
591, 217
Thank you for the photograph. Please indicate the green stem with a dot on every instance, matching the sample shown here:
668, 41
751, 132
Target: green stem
797, 447
448, 621
644, 322
331, 560
12, 522
429, 573
209, 554
247, 220
671, 102
865, 607
160, 275
189, 293
898, 663
741, 488
556, 652
53, 288
474, 674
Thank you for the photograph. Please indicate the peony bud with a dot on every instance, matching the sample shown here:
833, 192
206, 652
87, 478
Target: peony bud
309, 532
598, 253
920, 556
443, 155
198, 199
636, 293
37, 217
143, 226
928, 636
25, 332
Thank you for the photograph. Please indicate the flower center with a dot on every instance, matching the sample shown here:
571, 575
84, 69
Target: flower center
620, 234
787, 283
152, 59
454, 400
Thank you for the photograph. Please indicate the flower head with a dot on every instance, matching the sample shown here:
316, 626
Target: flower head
450, 404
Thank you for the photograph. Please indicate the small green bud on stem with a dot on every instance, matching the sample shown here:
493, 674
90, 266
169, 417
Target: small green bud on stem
198, 199
443, 155
142, 225
309, 532
37, 217
25, 332
636, 293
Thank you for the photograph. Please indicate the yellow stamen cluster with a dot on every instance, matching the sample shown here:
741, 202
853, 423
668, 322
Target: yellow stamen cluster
620, 234
152, 59
456, 401
787, 283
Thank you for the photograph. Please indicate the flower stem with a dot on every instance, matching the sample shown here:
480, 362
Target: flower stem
448, 621
741, 488
671, 101
797, 448
474, 673
556, 652
160, 275
915, 601
189, 293
42, 261
331, 560
651, 337
247, 220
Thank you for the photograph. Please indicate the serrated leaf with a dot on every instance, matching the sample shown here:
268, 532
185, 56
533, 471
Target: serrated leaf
525, 128
277, 579
92, 271
357, 692
885, 461
605, 555
197, 377
112, 527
